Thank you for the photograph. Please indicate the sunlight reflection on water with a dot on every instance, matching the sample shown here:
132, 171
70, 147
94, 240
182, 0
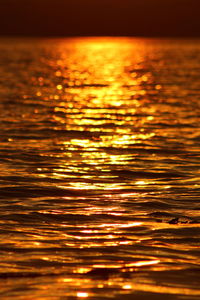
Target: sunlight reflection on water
99, 168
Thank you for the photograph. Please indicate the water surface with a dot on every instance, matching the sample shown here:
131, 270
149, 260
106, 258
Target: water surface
99, 168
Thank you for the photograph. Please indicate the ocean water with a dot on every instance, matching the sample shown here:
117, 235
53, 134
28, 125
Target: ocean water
100, 168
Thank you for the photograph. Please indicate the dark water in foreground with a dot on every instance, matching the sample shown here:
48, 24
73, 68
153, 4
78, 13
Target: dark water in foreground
100, 169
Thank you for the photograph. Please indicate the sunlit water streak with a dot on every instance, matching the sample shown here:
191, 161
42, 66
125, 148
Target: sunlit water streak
99, 168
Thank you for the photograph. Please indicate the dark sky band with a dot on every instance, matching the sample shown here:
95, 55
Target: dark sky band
100, 17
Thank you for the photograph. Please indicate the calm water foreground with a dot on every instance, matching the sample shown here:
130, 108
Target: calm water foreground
100, 169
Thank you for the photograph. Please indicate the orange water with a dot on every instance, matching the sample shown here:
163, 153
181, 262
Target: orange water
99, 168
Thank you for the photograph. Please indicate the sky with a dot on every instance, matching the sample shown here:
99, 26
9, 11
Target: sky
100, 17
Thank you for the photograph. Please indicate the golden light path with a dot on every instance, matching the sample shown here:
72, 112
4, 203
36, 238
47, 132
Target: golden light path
104, 100
106, 168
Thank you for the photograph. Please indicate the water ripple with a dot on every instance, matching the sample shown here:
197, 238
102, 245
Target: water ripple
99, 181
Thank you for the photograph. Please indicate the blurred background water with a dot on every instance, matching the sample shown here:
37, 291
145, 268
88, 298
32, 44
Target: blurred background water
99, 168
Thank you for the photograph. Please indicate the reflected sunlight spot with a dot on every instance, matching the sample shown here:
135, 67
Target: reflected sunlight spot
81, 270
143, 263
127, 287
150, 118
45, 258
67, 280
167, 187
59, 87
82, 294
126, 243
37, 243
119, 225
102, 266
142, 182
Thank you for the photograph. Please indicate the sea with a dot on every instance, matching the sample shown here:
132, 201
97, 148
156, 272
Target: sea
99, 168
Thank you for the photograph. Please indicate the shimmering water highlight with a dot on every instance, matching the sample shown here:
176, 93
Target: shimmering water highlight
99, 168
